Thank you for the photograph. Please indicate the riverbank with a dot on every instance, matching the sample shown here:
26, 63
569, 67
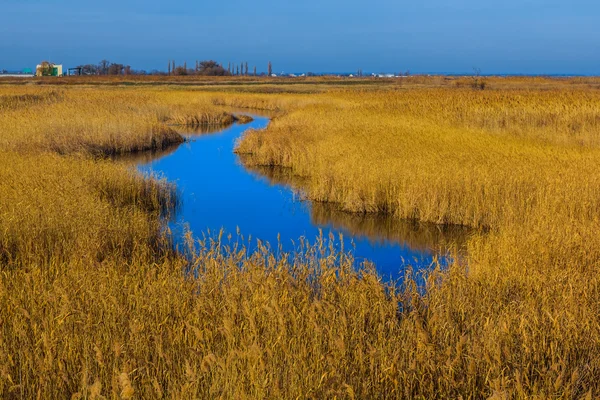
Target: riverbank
92, 302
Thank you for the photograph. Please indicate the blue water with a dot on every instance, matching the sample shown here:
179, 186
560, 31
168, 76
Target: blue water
217, 192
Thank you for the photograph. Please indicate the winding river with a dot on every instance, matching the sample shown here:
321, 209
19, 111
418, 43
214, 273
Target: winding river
218, 192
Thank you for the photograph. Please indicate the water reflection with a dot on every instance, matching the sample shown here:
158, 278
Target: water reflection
198, 129
144, 157
188, 132
378, 228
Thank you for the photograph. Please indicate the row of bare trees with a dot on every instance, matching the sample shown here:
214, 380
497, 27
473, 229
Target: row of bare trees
212, 68
206, 68
106, 67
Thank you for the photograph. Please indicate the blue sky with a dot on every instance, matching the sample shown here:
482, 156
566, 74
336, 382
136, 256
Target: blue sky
511, 36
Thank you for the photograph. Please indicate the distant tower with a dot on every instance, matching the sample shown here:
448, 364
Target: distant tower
270, 69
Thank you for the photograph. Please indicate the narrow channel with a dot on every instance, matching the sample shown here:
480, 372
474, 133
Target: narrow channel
218, 192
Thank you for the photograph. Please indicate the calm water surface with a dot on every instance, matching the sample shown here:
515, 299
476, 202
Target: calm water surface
218, 192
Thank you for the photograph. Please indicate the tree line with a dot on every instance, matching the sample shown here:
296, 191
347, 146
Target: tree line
205, 68
106, 67
213, 68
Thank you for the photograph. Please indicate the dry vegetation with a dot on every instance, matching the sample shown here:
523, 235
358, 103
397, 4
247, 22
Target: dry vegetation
93, 303
99, 121
520, 162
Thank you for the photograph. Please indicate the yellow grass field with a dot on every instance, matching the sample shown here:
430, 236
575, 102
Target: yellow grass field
95, 304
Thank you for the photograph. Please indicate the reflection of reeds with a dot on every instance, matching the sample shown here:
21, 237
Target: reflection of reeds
274, 174
377, 227
243, 118
143, 157
187, 130
200, 129
381, 227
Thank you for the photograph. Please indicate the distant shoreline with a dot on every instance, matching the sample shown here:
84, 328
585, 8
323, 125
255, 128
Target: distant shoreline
376, 75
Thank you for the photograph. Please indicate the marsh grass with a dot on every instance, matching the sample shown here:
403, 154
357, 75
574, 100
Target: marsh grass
519, 163
442, 156
56, 209
100, 121
93, 302
415, 234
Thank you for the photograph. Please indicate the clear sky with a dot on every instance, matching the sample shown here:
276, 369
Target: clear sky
453, 36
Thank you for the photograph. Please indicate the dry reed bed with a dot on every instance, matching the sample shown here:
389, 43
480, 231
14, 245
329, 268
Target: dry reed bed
100, 121
459, 168
92, 305
55, 209
415, 234
521, 162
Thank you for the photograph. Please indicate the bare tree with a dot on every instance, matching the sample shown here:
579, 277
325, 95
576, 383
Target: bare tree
115, 69
478, 82
103, 65
89, 69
